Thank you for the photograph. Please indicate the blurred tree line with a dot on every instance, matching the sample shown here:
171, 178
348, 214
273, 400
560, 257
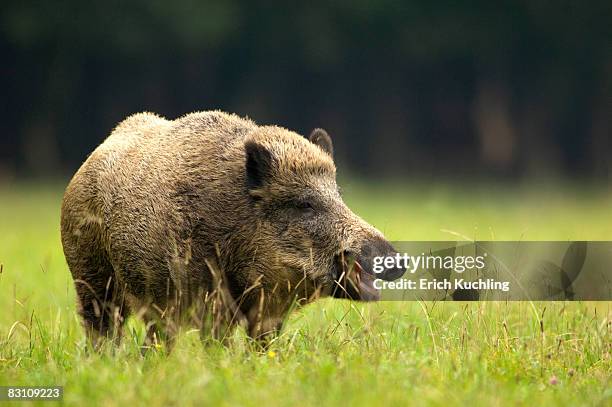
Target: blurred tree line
426, 88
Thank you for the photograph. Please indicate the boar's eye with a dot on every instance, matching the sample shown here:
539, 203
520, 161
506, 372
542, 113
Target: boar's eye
304, 207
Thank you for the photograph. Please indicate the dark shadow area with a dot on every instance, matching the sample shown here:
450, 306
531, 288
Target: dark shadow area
504, 90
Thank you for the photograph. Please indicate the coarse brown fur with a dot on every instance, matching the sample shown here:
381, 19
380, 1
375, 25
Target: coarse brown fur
209, 218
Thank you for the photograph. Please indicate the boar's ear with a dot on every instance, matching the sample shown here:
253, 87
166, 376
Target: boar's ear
322, 139
258, 164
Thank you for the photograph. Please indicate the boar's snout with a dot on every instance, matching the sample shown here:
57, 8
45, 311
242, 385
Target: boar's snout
376, 250
357, 271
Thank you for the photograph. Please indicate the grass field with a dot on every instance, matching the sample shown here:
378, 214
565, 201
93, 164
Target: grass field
331, 352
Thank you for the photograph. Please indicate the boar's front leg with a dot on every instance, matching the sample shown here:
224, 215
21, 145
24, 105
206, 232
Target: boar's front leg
264, 321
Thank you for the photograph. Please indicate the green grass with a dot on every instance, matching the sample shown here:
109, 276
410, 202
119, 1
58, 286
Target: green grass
331, 352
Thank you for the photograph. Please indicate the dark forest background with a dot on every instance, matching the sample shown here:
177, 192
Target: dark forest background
488, 89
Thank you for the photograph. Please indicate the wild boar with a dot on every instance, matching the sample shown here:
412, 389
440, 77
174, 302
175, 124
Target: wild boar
214, 219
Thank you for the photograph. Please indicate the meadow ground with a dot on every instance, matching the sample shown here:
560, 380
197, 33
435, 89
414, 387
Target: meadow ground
331, 352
